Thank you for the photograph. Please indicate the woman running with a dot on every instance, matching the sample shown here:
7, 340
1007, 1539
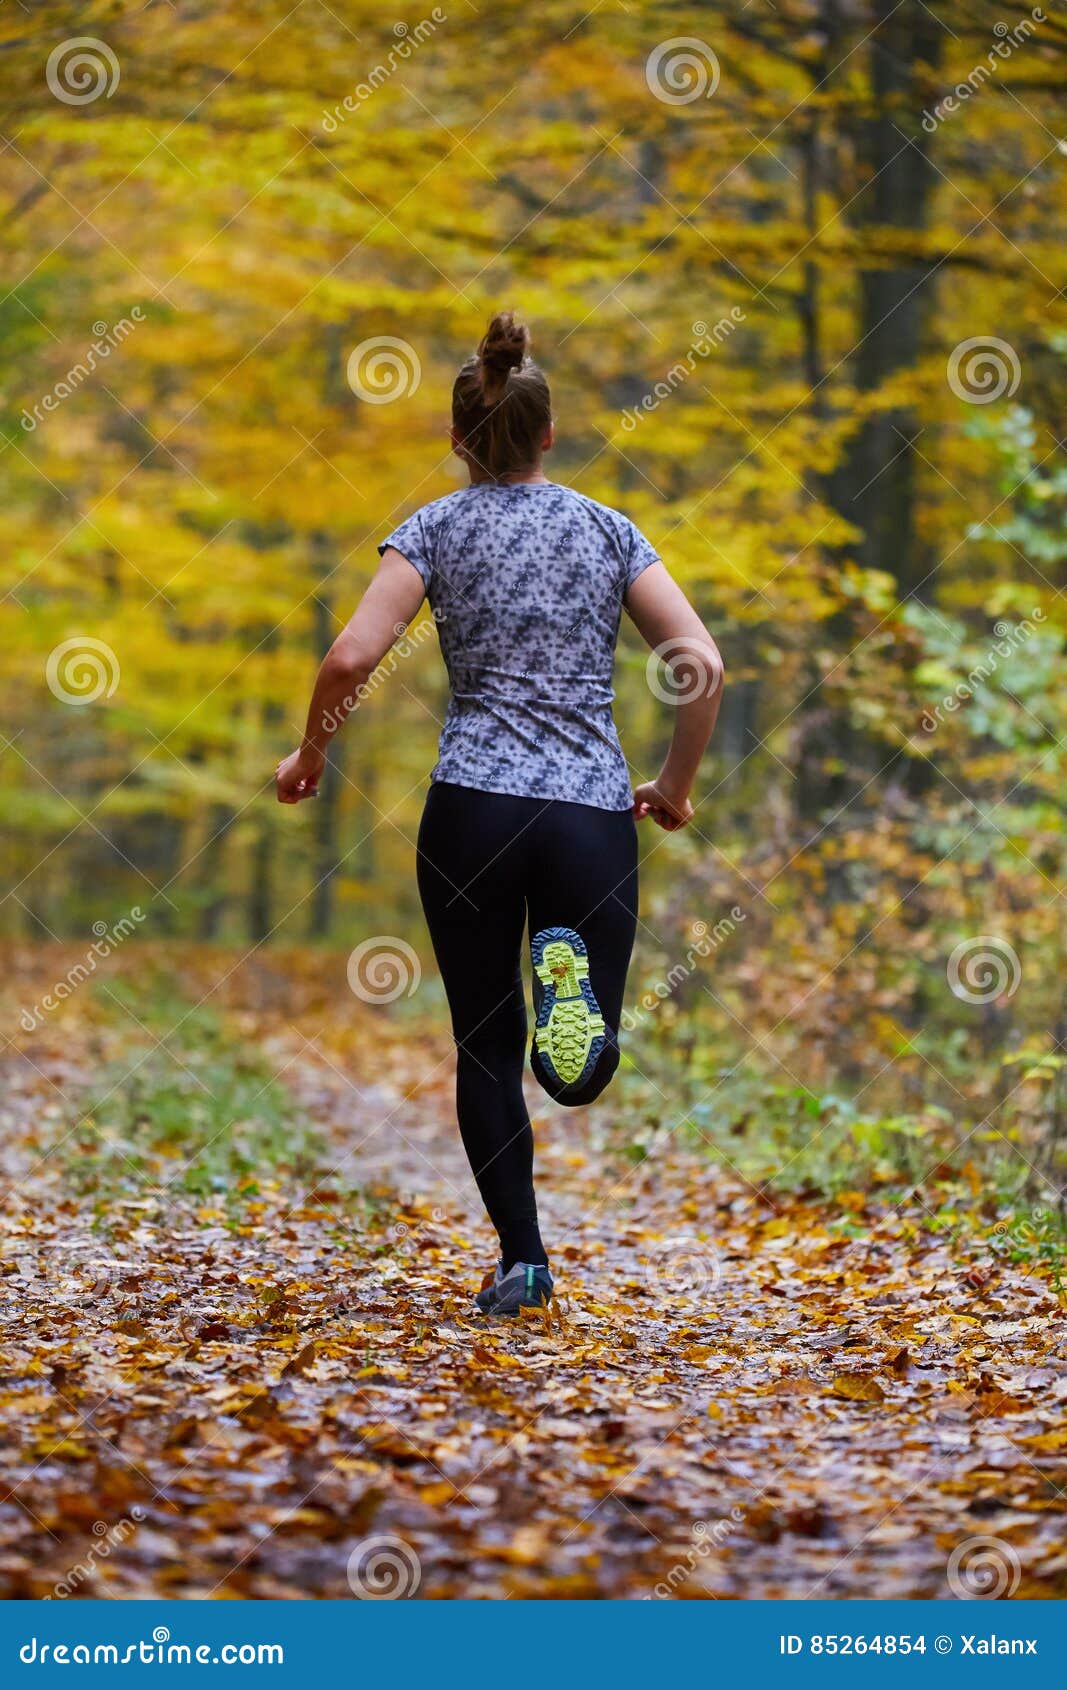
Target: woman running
529, 817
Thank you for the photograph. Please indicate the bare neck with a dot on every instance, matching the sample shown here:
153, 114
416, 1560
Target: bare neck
532, 476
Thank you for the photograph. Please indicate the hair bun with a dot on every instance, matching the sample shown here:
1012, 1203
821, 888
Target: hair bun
505, 345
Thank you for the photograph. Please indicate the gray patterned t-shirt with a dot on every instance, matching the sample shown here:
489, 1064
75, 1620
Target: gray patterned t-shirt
526, 582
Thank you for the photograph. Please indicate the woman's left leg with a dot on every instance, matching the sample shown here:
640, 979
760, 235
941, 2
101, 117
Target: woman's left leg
471, 865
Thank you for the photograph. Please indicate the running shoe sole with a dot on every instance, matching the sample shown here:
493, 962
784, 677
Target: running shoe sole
524, 1286
570, 1031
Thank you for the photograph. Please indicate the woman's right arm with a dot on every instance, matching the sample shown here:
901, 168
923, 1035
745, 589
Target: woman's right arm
667, 621
388, 605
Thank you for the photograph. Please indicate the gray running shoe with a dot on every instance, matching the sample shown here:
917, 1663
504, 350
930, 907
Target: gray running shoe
524, 1286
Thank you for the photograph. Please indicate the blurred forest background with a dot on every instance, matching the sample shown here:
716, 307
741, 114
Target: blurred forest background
795, 274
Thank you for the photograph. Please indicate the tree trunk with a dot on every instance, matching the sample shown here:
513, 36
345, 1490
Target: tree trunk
260, 888
874, 487
211, 877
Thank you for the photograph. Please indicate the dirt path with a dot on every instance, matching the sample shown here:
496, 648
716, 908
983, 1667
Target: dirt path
730, 1398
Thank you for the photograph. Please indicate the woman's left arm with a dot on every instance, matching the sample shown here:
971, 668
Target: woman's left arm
381, 616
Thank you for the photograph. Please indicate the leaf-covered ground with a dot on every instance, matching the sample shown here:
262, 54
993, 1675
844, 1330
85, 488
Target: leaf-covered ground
238, 1346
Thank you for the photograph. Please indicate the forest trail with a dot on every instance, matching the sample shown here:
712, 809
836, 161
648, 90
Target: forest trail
280, 1391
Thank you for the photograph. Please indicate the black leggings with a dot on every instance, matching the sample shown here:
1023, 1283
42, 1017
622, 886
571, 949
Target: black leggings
487, 862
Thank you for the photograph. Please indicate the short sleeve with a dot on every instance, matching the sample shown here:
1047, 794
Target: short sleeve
414, 541
638, 554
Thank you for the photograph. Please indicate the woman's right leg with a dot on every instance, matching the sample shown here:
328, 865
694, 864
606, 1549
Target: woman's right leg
471, 869
584, 879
